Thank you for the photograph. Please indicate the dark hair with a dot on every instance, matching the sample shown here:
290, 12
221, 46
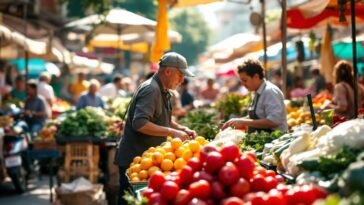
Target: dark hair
32, 84
19, 78
343, 71
185, 81
116, 78
251, 67
315, 71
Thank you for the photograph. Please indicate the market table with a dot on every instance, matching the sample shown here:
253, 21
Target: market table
52, 155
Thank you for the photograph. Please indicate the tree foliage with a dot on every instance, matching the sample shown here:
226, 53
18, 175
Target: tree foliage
194, 30
147, 8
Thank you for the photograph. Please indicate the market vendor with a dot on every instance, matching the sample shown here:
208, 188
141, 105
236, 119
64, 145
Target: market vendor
149, 118
267, 111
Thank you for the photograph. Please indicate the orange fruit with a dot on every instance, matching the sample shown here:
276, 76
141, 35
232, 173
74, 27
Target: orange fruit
161, 150
135, 168
194, 146
146, 163
166, 173
136, 160
170, 156
167, 165
168, 148
197, 154
157, 158
176, 143
200, 140
151, 149
152, 170
187, 154
132, 175
135, 179
179, 152
143, 174
179, 164
147, 155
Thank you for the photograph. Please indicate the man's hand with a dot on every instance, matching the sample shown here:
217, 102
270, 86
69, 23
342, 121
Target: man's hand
236, 123
181, 134
190, 132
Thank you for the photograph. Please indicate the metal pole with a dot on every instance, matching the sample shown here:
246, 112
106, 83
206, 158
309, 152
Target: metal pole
284, 47
262, 2
26, 56
353, 36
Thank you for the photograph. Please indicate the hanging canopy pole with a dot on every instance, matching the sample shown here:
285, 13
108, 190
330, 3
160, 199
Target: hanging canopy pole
284, 47
26, 56
355, 62
262, 2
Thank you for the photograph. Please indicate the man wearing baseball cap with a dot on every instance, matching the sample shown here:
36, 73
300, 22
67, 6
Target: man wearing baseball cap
149, 116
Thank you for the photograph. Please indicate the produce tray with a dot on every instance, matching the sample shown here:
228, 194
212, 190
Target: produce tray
137, 186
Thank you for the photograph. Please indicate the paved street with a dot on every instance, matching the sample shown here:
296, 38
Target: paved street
37, 194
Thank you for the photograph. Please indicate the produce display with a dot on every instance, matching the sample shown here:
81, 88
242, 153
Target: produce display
257, 141
204, 122
60, 106
90, 122
233, 104
47, 133
168, 157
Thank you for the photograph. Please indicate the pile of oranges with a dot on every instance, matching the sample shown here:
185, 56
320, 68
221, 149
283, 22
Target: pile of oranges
171, 156
297, 116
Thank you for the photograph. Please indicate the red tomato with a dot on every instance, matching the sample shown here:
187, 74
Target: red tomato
279, 178
148, 192
271, 183
186, 175
195, 163
205, 151
274, 198
282, 188
156, 199
217, 190
252, 156
240, 188
214, 161
245, 166
271, 173
200, 189
197, 176
169, 191
258, 183
232, 201
260, 170
196, 201
156, 181
183, 197
230, 152
229, 174
258, 199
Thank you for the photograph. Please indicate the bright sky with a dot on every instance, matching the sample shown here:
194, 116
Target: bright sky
208, 11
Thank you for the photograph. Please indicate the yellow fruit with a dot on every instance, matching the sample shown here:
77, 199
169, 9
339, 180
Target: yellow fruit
197, 154
135, 179
179, 164
169, 138
170, 156
176, 143
133, 175
161, 150
147, 155
166, 173
143, 174
187, 154
167, 165
157, 158
168, 148
136, 160
179, 152
194, 146
152, 170
135, 168
151, 149
201, 140
146, 163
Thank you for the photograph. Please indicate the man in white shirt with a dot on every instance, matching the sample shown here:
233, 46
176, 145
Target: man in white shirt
45, 90
113, 89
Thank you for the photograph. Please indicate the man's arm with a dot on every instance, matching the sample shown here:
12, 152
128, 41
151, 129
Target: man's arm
155, 130
185, 129
243, 122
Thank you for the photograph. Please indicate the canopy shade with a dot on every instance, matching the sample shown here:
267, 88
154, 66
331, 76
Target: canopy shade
117, 21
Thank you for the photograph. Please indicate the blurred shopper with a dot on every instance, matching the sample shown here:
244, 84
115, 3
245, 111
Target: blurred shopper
210, 92
267, 112
35, 108
113, 89
45, 90
299, 90
79, 86
319, 82
149, 118
186, 96
344, 90
91, 98
18, 92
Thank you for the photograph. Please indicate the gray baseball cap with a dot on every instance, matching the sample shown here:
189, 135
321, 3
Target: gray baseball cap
175, 60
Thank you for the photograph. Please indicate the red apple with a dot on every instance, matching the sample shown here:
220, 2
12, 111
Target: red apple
217, 190
229, 174
195, 163
232, 201
205, 151
230, 152
240, 188
214, 161
156, 181
183, 197
169, 191
245, 166
200, 189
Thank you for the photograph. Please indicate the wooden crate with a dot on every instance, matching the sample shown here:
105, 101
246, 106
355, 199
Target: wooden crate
81, 159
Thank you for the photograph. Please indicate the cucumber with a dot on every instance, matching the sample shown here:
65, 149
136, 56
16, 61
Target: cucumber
277, 153
309, 165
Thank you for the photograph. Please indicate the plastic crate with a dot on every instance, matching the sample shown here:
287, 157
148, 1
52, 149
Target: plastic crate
138, 186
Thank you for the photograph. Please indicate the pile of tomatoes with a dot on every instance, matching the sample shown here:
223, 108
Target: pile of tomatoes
217, 176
